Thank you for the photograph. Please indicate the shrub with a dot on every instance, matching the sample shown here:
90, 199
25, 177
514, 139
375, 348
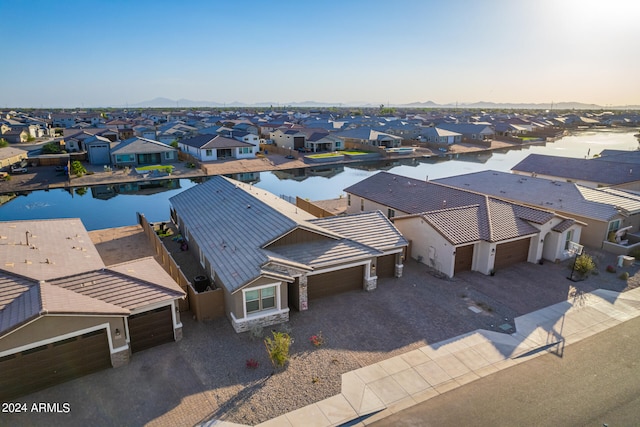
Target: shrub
278, 348
624, 276
317, 340
611, 269
77, 168
584, 264
252, 363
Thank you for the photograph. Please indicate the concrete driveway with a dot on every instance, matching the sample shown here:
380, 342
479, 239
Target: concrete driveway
203, 377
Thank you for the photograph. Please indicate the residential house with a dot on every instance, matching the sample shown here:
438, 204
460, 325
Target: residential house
64, 314
269, 256
455, 230
16, 135
603, 210
471, 132
367, 136
98, 150
437, 136
216, 147
609, 171
141, 151
11, 155
63, 120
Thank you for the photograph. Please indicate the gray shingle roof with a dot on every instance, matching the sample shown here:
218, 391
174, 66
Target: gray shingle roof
603, 171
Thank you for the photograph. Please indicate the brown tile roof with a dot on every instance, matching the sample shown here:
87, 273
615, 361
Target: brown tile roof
57, 247
19, 301
564, 225
117, 289
459, 215
148, 270
368, 228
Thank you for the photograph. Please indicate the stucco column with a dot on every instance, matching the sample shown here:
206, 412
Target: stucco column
399, 266
303, 299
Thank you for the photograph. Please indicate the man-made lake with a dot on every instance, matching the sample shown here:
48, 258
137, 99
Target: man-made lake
113, 206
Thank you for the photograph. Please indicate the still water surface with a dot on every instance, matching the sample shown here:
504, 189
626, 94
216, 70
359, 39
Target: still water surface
115, 206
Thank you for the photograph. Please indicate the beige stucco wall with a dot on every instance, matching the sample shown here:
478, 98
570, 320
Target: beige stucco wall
51, 326
427, 245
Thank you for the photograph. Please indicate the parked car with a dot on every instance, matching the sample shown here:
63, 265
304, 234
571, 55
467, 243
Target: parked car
18, 169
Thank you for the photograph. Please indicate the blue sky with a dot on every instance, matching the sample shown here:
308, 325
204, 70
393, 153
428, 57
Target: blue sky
110, 53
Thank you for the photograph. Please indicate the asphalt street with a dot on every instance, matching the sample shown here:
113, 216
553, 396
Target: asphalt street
594, 382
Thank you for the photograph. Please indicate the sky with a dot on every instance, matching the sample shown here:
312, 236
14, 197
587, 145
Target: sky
102, 53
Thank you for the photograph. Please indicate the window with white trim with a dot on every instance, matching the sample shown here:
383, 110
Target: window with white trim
260, 299
613, 225
568, 239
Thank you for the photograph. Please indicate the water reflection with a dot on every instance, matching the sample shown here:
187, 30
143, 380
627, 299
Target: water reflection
144, 188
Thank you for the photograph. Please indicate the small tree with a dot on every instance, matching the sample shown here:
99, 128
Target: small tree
77, 168
278, 348
584, 264
3, 143
174, 143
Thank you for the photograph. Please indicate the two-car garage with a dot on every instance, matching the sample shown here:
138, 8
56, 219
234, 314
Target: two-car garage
54, 363
511, 253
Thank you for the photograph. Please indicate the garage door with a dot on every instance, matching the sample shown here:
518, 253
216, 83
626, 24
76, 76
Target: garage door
511, 253
386, 266
47, 365
464, 259
335, 282
150, 328
99, 154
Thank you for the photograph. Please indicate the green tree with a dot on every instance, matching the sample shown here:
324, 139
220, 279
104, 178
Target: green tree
174, 143
278, 348
3, 143
77, 168
51, 148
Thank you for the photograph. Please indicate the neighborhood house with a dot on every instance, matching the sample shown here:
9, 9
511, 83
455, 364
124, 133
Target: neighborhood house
454, 230
64, 314
269, 256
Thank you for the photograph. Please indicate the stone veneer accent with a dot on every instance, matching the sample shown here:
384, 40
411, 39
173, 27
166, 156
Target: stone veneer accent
177, 333
120, 358
399, 270
273, 319
371, 283
303, 297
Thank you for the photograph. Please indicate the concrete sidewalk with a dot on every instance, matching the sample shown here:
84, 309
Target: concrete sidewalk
376, 391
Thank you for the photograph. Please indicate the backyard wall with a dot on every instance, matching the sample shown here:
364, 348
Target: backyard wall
206, 305
165, 259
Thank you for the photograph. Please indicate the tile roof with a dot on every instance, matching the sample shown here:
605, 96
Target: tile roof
139, 145
19, 301
603, 171
564, 225
212, 142
558, 196
460, 215
372, 229
117, 289
324, 252
64, 274
57, 247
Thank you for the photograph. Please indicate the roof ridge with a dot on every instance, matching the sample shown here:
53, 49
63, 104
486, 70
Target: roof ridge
489, 224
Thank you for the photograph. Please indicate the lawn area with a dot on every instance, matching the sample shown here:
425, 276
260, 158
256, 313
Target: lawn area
162, 168
325, 155
354, 152
529, 138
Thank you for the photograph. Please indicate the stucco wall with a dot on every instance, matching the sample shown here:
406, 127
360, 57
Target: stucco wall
427, 245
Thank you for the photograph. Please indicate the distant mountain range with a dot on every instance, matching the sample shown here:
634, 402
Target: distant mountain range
187, 103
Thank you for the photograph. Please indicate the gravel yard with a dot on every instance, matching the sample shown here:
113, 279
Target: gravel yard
205, 376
